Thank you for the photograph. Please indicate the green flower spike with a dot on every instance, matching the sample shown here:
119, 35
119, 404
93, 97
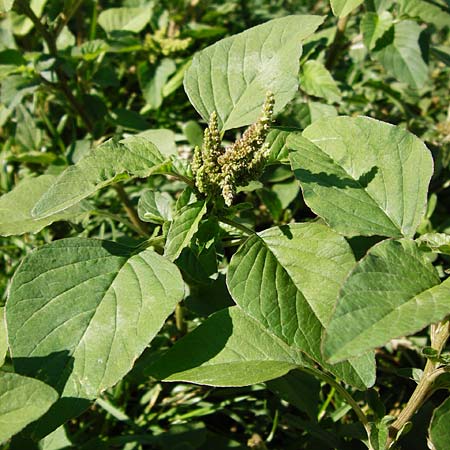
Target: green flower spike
219, 171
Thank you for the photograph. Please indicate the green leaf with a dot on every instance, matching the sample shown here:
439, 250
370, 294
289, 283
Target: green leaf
439, 429
399, 52
426, 11
228, 349
373, 26
316, 80
16, 206
276, 141
379, 433
3, 336
342, 8
23, 400
309, 112
436, 242
162, 138
6, 5
134, 156
183, 228
233, 76
393, 291
364, 177
153, 81
278, 278
80, 312
22, 25
57, 440
125, 19
155, 206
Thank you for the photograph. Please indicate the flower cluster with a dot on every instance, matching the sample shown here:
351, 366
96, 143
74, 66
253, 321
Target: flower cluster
218, 170
161, 44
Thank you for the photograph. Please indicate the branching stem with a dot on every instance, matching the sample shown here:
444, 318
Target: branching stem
439, 336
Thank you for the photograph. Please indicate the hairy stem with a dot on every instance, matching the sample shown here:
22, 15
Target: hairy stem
130, 210
439, 336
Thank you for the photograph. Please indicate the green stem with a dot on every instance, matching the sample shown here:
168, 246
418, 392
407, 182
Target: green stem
342, 392
237, 225
23, 6
326, 403
180, 319
439, 336
64, 17
130, 210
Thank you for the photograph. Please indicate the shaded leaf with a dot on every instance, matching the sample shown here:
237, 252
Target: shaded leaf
162, 138
393, 291
316, 80
23, 400
373, 26
155, 206
125, 19
399, 53
228, 349
364, 177
436, 242
134, 157
153, 81
341, 8
439, 429
427, 11
16, 206
233, 76
278, 278
183, 228
80, 312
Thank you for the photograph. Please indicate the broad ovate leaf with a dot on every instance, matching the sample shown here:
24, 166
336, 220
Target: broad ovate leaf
155, 206
432, 12
183, 227
23, 400
232, 76
288, 278
439, 426
125, 19
316, 80
81, 311
363, 176
342, 8
16, 206
228, 349
133, 157
373, 26
399, 52
393, 291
